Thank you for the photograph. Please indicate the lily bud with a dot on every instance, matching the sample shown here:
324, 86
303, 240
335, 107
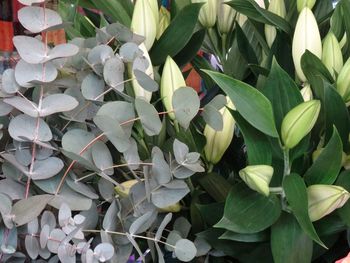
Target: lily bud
207, 14
324, 199
124, 188
164, 21
306, 92
219, 141
332, 56
138, 90
144, 22
343, 41
171, 208
226, 17
277, 7
343, 81
257, 177
305, 3
299, 122
155, 9
172, 79
306, 37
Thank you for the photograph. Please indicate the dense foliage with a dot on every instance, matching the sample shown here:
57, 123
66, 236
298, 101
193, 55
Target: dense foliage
107, 154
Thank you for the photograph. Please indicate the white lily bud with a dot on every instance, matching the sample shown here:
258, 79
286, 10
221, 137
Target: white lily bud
324, 199
257, 177
226, 17
164, 21
144, 23
207, 14
306, 37
343, 81
277, 7
306, 92
219, 141
172, 79
332, 56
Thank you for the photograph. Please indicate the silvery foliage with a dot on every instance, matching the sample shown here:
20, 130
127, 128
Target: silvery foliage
67, 105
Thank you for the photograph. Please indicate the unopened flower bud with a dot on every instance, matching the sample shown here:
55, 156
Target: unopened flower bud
306, 37
343, 81
277, 7
298, 122
172, 79
332, 56
207, 14
324, 199
164, 21
306, 92
343, 41
257, 177
138, 64
144, 22
305, 3
124, 188
155, 9
219, 141
226, 17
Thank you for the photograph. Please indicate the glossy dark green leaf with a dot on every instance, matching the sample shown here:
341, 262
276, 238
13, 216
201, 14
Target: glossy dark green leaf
258, 146
255, 237
249, 102
295, 191
344, 181
247, 211
282, 91
246, 50
177, 35
289, 243
326, 167
345, 6
216, 186
253, 11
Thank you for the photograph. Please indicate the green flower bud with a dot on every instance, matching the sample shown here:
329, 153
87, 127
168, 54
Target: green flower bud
124, 188
343, 81
299, 122
172, 79
306, 92
138, 90
306, 37
144, 23
164, 21
277, 7
324, 199
226, 17
257, 177
207, 15
219, 141
343, 41
305, 3
332, 56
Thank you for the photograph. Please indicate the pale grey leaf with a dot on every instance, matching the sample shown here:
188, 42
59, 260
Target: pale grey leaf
176, 184
149, 117
31, 49
136, 246
30, 2
36, 19
131, 155
66, 253
123, 33
64, 215
24, 105
218, 102
9, 84
99, 54
5, 210
33, 226
213, 117
113, 73
104, 252
32, 246
160, 168
28, 74
48, 218
165, 197
139, 223
111, 217
181, 172
172, 238
129, 51
185, 250
50, 185
186, 104
75, 140
182, 225
26, 210
75, 201
166, 220
146, 81
44, 235
57, 103
12, 189
5, 108
202, 246
92, 87
180, 151
81, 188
62, 51
106, 189
54, 241
44, 169
102, 157
92, 217
12, 160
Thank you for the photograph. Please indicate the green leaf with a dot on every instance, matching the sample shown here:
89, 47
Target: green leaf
255, 237
289, 243
246, 50
326, 167
216, 186
247, 211
295, 191
186, 104
282, 91
345, 6
258, 146
255, 12
344, 181
249, 102
177, 35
